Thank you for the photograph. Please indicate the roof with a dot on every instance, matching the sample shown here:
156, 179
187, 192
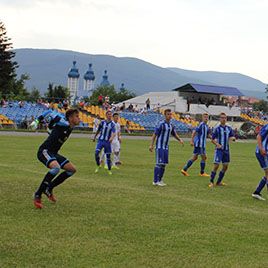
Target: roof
73, 73
221, 90
89, 75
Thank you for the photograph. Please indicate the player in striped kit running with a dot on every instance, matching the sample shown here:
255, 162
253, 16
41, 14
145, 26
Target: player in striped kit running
199, 139
161, 135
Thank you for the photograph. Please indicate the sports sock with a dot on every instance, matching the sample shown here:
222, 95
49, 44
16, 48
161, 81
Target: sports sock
212, 176
60, 179
46, 181
109, 162
188, 164
161, 172
221, 175
202, 166
260, 185
157, 172
97, 157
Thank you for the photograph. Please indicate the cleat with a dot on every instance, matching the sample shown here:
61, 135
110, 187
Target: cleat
51, 197
258, 196
184, 173
97, 169
211, 185
105, 166
161, 183
38, 203
221, 184
155, 183
204, 175
115, 167
110, 172
118, 163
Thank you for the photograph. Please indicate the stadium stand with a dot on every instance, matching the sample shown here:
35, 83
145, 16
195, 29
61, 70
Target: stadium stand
254, 120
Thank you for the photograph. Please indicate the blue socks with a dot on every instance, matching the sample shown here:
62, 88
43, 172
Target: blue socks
261, 185
202, 166
158, 173
189, 163
212, 176
97, 157
221, 175
109, 162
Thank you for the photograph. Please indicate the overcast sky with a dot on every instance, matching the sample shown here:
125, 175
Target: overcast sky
220, 35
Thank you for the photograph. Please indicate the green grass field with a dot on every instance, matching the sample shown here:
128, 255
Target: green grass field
122, 220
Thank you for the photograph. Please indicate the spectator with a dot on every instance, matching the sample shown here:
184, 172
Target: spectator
100, 100
148, 103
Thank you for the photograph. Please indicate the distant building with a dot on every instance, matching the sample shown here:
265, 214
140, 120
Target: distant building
89, 79
73, 82
105, 81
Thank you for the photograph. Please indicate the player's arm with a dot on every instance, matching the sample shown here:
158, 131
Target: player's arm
119, 135
177, 137
192, 137
97, 132
259, 141
232, 136
112, 136
214, 139
151, 148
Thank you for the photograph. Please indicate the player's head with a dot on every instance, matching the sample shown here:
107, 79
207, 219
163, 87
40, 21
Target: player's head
205, 117
109, 115
223, 118
116, 117
72, 115
168, 114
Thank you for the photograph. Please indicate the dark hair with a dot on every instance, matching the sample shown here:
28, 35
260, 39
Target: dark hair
223, 114
108, 112
116, 114
167, 111
70, 112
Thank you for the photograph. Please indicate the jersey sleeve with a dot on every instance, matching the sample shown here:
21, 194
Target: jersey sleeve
173, 131
215, 133
44, 115
198, 128
158, 129
231, 134
264, 131
113, 128
100, 126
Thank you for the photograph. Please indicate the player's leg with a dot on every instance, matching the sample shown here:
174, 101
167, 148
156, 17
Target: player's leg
108, 152
157, 168
115, 153
97, 155
203, 164
189, 163
54, 169
69, 170
221, 174
263, 161
102, 157
217, 160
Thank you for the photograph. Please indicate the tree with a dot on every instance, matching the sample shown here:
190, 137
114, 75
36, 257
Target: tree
7, 65
57, 93
34, 95
110, 91
262, 105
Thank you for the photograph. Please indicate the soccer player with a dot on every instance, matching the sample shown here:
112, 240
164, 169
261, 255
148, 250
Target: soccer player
161, 135
198, 140
116, 141
48, 155
221, 136
261, 154
107, 133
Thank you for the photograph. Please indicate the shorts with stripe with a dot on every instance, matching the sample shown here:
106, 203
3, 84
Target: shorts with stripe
161, 156
46, 157
221, 156
199, 150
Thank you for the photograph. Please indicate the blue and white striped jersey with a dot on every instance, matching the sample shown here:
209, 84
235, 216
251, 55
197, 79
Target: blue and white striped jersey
163, 132
106, 129
200, 139
222, 134
264, 139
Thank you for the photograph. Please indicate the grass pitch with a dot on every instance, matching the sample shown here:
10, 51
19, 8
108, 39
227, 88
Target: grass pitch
122, 220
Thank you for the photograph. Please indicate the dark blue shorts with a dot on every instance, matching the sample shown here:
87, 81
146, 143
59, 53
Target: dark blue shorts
46, 157
161, 156
199, 151
106, 145
221, 156
263, 160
